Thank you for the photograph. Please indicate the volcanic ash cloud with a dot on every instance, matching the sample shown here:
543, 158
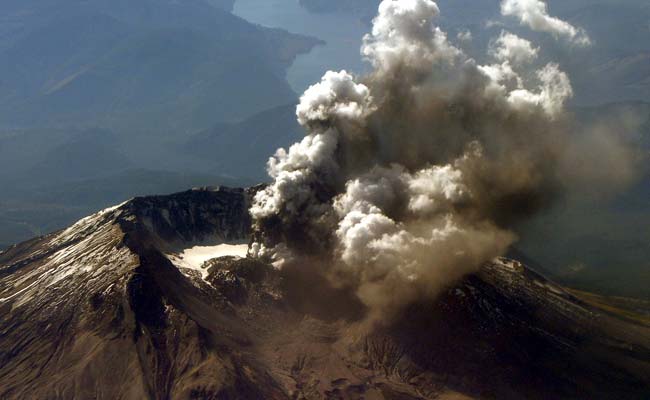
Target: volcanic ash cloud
415, 175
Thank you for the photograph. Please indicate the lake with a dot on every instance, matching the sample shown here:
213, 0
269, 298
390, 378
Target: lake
342, 34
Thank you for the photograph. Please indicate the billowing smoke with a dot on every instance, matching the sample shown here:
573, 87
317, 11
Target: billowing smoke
417, 174
534, 14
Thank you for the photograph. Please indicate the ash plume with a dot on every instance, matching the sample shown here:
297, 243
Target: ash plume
534, 14
418, 173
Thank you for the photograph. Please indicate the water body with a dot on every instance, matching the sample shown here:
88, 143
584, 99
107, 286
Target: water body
342, 34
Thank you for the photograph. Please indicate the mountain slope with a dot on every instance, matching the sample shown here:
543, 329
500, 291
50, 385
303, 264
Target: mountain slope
257, 137
148, 64
95, 301
129, 304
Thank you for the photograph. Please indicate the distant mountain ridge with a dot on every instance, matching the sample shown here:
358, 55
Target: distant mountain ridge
90, 89
258, 137
146, 63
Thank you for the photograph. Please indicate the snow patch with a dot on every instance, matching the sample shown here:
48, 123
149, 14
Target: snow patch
197, 255
194, 257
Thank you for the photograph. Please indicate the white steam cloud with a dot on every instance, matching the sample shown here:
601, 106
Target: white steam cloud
534, 14
512, 48
415, 175
402, 35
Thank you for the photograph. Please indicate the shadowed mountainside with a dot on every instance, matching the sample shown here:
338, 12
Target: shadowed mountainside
145, 64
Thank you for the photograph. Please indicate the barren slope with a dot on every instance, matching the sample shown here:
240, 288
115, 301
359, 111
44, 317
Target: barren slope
121, 306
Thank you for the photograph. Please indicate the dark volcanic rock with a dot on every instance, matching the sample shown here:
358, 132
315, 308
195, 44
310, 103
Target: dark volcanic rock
110, 309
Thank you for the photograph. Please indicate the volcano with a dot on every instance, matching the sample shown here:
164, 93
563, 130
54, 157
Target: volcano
156, 299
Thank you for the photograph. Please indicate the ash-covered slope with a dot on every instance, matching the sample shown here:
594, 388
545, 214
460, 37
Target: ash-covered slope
129, 304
